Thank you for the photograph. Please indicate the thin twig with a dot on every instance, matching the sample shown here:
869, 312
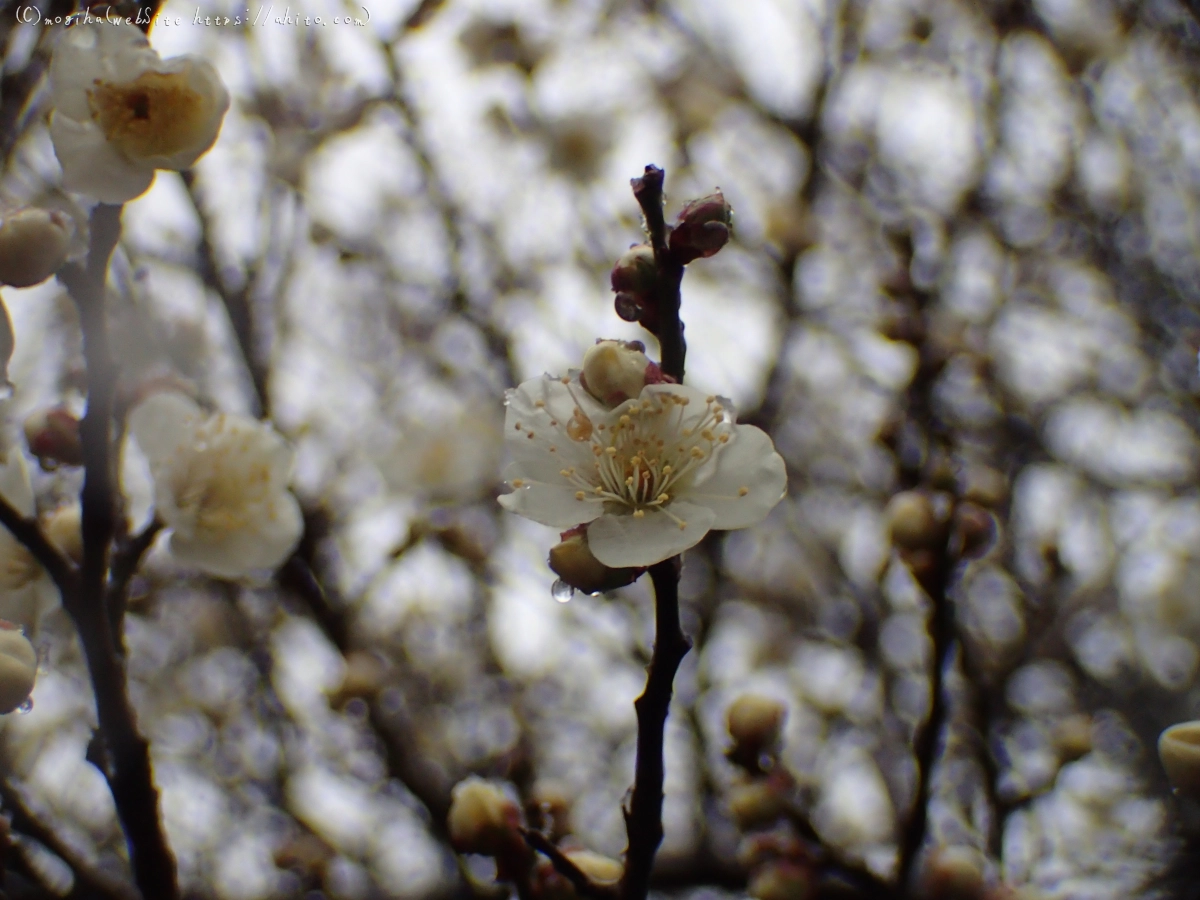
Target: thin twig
583, 885
643, 819
125, 561
89, 880
29, 533
129, 776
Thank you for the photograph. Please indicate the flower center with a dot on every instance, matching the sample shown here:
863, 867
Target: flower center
642, 460
156, 114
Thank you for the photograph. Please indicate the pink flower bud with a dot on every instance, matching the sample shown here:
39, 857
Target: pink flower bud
635, 272
53, 437
573, 562
704, 227
33, 244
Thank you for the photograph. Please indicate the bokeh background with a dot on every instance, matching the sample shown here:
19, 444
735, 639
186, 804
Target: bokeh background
965, 261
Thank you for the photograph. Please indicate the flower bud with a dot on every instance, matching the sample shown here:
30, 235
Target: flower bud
18, 667
64, 527
53, 437
758, 803
955, 873
572, 561
602, 870
33, 244
912, 521
364, 677
755, 722
615, 371
482, 817
1179, 750
635, 272
782, 880
703, 228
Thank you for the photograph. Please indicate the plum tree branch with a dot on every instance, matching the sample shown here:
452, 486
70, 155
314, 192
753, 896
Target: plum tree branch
129, 774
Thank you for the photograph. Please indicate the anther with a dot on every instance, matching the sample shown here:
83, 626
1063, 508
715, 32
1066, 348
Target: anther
518, 482
743, 491
639, 514
579, 495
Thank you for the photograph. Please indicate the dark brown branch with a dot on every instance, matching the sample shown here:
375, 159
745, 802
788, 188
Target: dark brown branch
643, 818
125, 561
129, 775
89, 880
583, 885
665, 299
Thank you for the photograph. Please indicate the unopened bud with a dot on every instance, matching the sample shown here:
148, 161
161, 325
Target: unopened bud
482, 818
18, 667
782, 880
955, 873
53, 437
1179, 750
912, 521
704, 227
615, 371
635, 272
33, 244
755, 721
573, 562
599, 869
64, 527
758, 803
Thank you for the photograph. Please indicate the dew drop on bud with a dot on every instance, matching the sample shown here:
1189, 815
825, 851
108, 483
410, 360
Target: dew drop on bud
627, 307
561, 591
26, 707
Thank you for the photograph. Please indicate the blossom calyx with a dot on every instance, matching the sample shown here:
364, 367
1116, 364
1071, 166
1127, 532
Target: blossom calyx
33, 244
121, 111
1179, 751
53, 437
18, 667
482, 818
704, 226
573, 562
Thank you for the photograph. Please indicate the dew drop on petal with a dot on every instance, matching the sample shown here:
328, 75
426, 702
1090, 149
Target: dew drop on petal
25, 707
561, 591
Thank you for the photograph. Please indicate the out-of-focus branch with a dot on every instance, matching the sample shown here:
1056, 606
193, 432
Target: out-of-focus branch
583, 885
125, 561
235, 300
129, 775
89, 880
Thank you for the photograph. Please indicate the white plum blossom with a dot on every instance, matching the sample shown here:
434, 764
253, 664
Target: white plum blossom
121, 111
26, 591
220, 485
652, 476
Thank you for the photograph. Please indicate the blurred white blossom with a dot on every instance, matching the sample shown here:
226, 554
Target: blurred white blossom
120, 111
26, 591
220, 484
652, 476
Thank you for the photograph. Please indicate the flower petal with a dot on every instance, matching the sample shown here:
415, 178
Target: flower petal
548, 424
748, 462
164, 424
15, 485
92, 166
627, 540
236, 554
550, 504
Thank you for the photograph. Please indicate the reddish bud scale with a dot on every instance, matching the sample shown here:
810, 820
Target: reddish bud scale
53, 437
704, 226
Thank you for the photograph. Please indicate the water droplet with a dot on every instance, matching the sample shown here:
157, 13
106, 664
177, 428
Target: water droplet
25, 707
628, 307
561, 591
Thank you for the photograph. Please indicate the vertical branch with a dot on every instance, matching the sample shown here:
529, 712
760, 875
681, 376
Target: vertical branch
129, 776
643, 819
